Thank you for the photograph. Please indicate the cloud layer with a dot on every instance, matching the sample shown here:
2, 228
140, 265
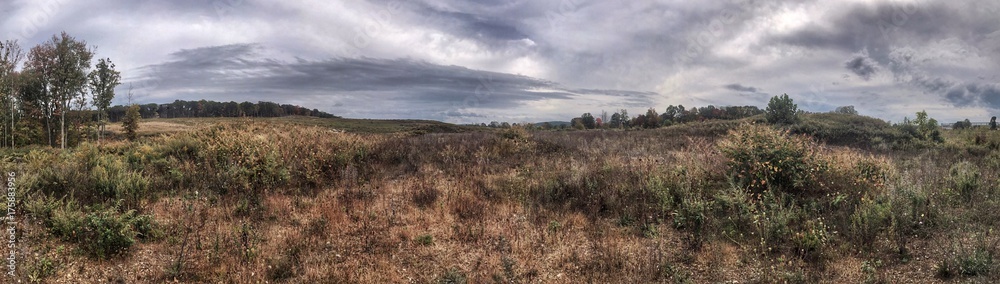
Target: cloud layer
518, 60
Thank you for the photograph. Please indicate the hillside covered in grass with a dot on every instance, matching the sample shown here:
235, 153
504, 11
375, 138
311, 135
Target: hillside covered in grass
830, 198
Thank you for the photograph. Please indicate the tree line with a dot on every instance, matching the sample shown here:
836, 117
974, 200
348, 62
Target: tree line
53, 95
207, 108
670, 116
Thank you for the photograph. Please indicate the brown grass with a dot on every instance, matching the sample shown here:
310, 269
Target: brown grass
517, 206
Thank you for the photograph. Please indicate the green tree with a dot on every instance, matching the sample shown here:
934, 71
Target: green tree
652, 119
623, 118
616, 120
962, 124
63, 63
927, 127
781, 110
846, 110
993, 123
577, 123
588, 121
131, 121
103, 81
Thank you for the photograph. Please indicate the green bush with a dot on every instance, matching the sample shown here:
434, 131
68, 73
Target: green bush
978, 259
811, 242
102, 233
762, 158
965, 179
869, 219
107, 233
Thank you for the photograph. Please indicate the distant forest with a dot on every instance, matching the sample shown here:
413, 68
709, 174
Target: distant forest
205, 108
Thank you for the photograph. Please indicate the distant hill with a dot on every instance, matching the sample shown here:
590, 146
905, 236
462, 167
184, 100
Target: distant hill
553, 123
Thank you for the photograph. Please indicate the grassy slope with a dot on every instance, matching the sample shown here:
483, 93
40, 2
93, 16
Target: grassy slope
564, 207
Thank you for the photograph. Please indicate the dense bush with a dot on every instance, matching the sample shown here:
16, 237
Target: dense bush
762, 158
101, 232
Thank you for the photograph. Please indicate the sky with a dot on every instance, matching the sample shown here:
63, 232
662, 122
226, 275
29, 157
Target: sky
472, 61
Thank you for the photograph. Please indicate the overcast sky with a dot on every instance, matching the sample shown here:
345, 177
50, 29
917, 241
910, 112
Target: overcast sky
521, 60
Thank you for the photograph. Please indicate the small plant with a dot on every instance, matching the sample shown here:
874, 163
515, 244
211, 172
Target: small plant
554, 226
649, 230
425, 196
452, 276
42, 268
965, 178
285, 266
425, 240
812, 241
869, 219
979, 261
870, 269
977, 258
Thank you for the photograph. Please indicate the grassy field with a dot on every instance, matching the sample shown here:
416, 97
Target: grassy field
152, 127
833, 199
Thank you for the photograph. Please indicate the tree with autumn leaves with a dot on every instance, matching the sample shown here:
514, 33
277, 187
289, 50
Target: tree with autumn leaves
56, 76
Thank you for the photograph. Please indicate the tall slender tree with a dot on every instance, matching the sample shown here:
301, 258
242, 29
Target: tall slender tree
131, 120
103, 81
10, 56
40, 67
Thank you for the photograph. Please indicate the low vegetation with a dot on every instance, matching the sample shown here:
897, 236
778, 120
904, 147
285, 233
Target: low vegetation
291, 199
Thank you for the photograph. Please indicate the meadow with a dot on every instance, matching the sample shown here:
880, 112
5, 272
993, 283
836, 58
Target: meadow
834, 198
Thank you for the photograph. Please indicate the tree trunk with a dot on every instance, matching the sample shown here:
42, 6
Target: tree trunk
62, 124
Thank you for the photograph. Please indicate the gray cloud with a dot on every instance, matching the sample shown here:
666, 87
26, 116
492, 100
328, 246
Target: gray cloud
740, 88
418, 86
862, 66
460, 60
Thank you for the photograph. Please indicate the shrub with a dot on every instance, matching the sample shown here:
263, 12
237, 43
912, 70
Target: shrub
762, 158
425, 240
452, 276
965, 179
107, 233
102, 233
286, 265
871, 218
131, 121
691, 215
811, 242
977, 259
425, 195
781, 110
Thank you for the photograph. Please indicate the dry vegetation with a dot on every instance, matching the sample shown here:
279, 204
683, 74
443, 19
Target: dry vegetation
255, 201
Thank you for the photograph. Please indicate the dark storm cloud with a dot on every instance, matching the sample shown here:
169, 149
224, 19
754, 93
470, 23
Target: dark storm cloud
483, 27
972, 94
740, 88
882, 26
862, 66
422, 86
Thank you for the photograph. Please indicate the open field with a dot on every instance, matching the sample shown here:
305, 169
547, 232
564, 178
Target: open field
300, 200
152, 127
